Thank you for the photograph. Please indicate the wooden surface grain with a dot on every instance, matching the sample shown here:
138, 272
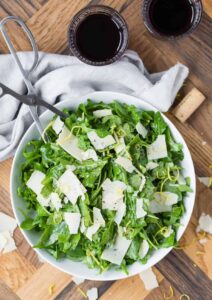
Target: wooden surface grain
22, 274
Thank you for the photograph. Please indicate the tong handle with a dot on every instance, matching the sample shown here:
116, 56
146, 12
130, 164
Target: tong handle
4, 90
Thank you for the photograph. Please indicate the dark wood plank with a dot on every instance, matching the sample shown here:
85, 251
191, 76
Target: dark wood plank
186, 278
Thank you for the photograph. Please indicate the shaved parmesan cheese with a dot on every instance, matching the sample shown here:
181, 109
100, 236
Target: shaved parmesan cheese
7, 223
55, 201
157, 149
44, 201
73, 221
121, 211
90, 154
7, 243
120, 146
144, 248
98, 142
97, 217
116, 252
156, 207
205, 223
102, 113
125, 163
70, 185
166, 198
151, 165
35, 182
57, 125
141, 129
92, 230
143, 181
149, 279
92, 294
82, 225
181, 179
140, 212
112, 194
207, 181
78, 280
168, 232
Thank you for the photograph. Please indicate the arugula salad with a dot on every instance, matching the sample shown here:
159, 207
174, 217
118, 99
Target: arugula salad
107, 189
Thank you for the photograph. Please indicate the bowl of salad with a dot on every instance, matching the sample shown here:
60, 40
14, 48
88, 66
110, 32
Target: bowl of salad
110, 193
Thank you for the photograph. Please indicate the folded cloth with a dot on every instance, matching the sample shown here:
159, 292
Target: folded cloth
59, 77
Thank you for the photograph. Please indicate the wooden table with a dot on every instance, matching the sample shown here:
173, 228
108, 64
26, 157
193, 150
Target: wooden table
188, 271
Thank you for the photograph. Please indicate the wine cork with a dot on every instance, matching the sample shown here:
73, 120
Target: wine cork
188, 105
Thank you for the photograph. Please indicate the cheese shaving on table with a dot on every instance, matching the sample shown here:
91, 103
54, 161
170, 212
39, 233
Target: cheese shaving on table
157, 149
98, 142
7, 223
141, 129
73, 221
149, 279
69, 143
78, 280
70, 185
7, 227
102, 113
144, 248
207, 181
115, 253
112, 194
205, 223
203, 241
92, 294
57, 126
125, 163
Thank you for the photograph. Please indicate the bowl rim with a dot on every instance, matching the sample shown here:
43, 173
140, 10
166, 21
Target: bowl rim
123, 98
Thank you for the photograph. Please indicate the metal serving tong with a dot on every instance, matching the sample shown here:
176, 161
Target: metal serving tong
31, 98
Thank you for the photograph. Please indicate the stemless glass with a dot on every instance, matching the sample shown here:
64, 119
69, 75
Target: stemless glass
196, 6
116, 18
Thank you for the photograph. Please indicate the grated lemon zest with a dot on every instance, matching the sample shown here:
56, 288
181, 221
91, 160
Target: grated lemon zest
200, 236
82, 292
184, 296
209, 181
169, 296
199, 253
51, 289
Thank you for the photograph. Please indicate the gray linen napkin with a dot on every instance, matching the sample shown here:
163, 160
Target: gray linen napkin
59, 77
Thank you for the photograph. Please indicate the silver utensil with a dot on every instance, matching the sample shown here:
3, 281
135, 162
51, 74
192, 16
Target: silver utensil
31, 98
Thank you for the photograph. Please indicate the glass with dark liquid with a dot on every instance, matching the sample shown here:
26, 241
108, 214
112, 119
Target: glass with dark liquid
171, 18
98, 35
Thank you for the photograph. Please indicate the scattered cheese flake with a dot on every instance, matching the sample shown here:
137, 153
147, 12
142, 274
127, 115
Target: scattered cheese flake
116, 252
89, 154
207, 181
204, 143
140, 212
97, 217
70, 185
98, 142
125, 163
7, 223
7, 243
181, 179
156, 207
121, 211
44, 201
120, 146
112, 194
78, 280
151, 165
55, 201
3, 240
144, 248
205, 223
92, 294
92, 230
141, 129
149, 279
168, 232
102, 113
73, 221
35, 182
157, 149
57, 126
143, 181
82, 225
203, 241
166, 198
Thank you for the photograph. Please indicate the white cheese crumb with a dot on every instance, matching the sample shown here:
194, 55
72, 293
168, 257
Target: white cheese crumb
78, 280
144, 248
116, 252
73, 221
92, 230
121, 211
205, 180
55, 201
112, 194
92, 294
149, 279
35, 181
98, 221
157, 149
140, 212
125, 163
89, 154
141, 129
82, 225
98, 142
156, 207
166, 198
7, 223
151, 165
102, 113
120, 146
7, 243
57, 125
203, 241
205, 223
70, 185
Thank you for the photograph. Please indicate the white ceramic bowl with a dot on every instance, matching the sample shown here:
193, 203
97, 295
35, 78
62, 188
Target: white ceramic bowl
77, 268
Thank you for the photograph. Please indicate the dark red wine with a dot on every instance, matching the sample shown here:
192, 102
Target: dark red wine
171, 17
98, 37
